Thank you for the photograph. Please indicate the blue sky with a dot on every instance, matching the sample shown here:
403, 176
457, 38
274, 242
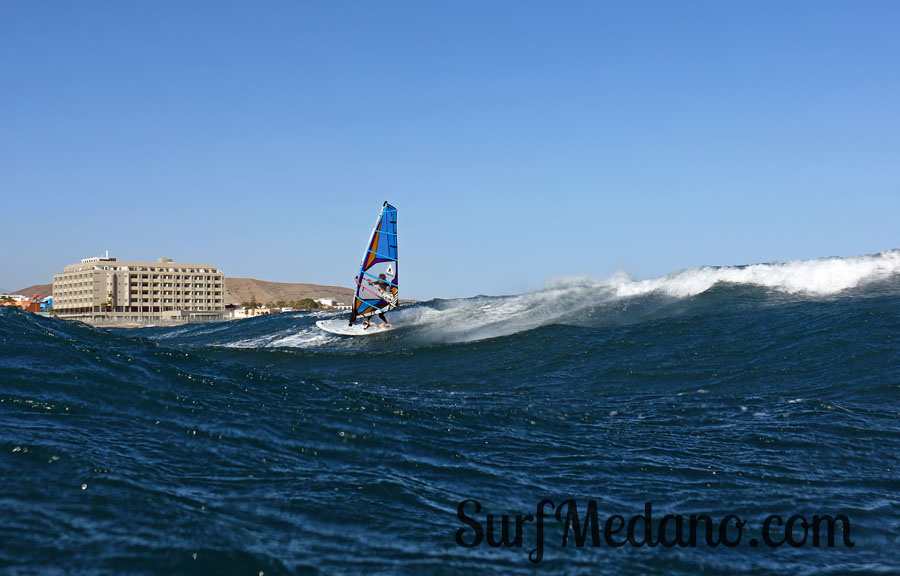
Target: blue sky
520, 141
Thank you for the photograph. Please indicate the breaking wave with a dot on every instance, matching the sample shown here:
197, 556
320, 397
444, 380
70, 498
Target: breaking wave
622, 300
619, 300
820, 277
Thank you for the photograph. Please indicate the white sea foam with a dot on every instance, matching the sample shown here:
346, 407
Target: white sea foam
578, 300
587, 301
301, 339
820, 277
291, 338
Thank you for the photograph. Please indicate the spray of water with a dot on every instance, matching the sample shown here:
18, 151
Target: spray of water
618, 299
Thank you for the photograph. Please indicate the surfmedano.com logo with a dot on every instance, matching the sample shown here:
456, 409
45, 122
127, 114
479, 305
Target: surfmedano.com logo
670, 531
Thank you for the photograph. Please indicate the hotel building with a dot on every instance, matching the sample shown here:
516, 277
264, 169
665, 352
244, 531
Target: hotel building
103, 290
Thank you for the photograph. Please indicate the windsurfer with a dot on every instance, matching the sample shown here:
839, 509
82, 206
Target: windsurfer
383, 287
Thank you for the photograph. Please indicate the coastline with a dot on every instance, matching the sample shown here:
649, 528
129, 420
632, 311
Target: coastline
239, 292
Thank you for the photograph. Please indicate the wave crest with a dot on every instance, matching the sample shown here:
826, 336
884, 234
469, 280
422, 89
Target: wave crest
622, 300
820, 277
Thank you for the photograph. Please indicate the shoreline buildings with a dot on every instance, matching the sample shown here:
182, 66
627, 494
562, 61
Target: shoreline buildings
35, 304
103, 290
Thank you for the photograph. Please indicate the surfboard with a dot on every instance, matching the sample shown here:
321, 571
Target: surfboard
376, 282
341, 327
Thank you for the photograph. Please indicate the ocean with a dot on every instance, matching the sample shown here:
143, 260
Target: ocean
734, 420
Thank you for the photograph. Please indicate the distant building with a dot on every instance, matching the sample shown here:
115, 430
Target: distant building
332, 303
13, 297
253, 312
33, 304
104, 290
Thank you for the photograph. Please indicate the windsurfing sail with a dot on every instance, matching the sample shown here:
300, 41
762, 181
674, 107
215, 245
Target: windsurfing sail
376, 283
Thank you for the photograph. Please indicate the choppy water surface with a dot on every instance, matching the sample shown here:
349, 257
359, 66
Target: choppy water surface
267, 446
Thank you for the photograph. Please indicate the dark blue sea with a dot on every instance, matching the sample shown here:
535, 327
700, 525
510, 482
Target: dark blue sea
763, 398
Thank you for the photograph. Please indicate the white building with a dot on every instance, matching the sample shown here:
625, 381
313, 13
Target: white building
13, 297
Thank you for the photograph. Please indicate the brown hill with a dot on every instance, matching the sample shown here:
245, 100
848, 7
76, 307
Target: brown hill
246, 289
43, 289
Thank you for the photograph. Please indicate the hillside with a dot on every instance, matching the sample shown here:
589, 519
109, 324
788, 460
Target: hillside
43, 289
245, 289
